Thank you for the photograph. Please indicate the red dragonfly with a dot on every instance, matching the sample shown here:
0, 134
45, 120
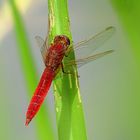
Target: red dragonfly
53, 55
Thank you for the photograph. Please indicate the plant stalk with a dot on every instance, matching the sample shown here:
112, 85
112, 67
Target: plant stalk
68, 104
44, 128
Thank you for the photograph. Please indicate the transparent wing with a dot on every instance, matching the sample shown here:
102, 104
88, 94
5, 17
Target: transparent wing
87, 47
43, 47
81, 62
40, 41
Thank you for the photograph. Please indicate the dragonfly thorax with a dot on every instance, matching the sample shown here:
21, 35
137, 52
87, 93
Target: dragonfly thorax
55, 55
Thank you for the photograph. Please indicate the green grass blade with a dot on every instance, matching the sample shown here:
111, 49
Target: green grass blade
129, 14
68, 105
44, 129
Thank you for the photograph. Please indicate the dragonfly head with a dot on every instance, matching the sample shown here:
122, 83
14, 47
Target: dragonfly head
62, 39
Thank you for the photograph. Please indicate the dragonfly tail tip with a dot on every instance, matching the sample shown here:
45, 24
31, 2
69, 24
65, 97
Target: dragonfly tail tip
27, 122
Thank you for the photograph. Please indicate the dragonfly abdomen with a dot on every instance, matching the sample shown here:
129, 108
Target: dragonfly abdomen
39, 94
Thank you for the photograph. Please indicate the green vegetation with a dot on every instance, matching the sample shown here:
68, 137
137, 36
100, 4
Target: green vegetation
68, 104
128, 12
44, 129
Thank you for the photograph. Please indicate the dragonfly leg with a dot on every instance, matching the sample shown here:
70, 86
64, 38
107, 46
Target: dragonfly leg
62, 66
66, 55
72, 73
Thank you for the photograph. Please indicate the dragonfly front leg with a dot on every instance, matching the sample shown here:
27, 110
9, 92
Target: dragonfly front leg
72, 73
62, 66
66, 55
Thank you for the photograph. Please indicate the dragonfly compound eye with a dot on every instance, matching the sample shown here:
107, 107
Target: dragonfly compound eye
68, 40
63, 39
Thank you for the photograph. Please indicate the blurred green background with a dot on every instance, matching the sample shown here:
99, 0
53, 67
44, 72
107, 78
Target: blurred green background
109, 86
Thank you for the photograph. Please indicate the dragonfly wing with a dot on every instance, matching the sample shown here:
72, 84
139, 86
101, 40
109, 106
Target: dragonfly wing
87, 47
81, 62
43, 46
